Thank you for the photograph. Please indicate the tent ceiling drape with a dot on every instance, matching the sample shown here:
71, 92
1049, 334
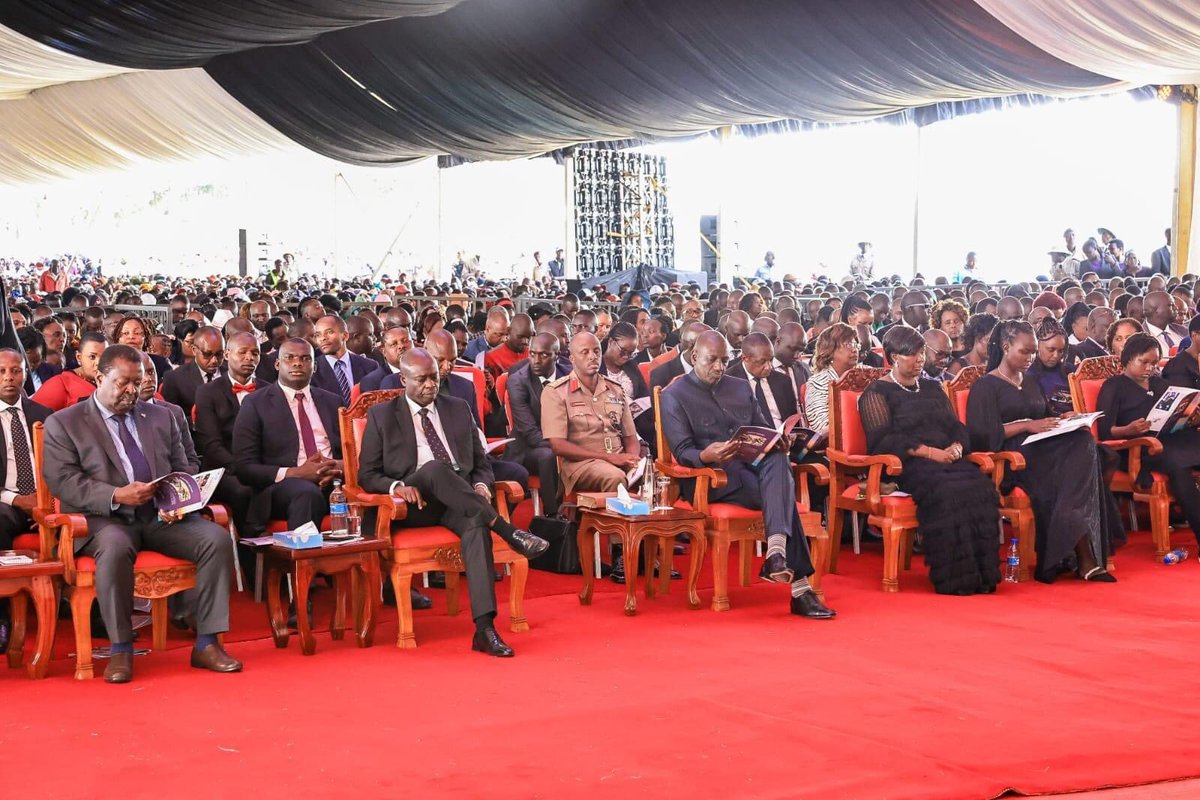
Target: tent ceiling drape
386, 81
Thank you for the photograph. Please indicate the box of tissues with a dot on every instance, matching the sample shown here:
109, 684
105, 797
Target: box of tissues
626, 505
304, 537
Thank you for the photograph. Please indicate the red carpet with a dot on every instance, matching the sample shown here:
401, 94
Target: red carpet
1039, 689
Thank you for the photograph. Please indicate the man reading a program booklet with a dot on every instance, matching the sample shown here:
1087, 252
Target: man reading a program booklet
701, 415
102, 458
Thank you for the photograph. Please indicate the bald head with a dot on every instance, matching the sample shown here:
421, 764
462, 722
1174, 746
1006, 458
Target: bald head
1098, 322
710, 356
396, 318
758, 346
585, 354
421, 376
495, 330
360, 335
790, 342
259, 313
688, 333
736, 327
1158, 309
520, 331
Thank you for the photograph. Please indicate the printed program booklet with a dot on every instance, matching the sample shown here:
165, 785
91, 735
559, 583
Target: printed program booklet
179, 491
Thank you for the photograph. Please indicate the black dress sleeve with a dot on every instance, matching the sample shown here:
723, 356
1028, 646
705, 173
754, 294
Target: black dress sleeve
1109, 403
984, 422
882, 435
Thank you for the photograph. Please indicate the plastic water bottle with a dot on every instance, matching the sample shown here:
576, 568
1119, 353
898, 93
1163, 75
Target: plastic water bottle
648, 484
1175, 556
338, 510
1012, 565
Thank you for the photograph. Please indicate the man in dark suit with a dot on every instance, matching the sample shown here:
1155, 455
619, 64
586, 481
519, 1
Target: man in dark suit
217, 407
1099, 320
701, 412
442, 347
18, 477
101, 455
146, 394
789, 356
337, 369
179, 385
530, 448
422, 449
396, 342
681, 364
286, 443
772, 389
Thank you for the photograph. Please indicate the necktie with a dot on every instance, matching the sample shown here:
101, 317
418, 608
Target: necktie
343, 382
137, 459
306, 428
762, 400
436, 445
1170, 341
248, 388
20, 446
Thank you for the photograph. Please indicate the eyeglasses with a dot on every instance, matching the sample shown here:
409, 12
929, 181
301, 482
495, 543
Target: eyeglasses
939, 354
626, 351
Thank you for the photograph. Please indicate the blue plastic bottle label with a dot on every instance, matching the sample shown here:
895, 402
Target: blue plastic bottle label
339, 508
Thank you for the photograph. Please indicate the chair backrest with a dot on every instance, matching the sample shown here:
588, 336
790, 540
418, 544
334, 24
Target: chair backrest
45, 502
352, 422
959, 389
644, 368
845, 425
502, 396
1087, 379
666, 356
355, 393
660, 438
479, 378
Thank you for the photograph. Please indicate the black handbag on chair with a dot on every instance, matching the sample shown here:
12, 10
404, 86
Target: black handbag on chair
562, 556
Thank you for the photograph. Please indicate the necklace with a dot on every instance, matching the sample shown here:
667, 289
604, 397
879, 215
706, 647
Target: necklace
914, 389
1017, 383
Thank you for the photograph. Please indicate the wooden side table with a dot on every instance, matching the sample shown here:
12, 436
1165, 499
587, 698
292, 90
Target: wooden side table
37, 580
655, 527
355, 564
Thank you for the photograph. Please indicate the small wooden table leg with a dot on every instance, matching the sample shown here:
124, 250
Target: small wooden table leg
276, 609
367, 599
19, 609
629, 544
697, 543
587, 561
304, 576
46, 608
341, 593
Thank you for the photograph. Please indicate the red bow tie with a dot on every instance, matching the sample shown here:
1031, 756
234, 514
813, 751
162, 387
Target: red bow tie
250, 387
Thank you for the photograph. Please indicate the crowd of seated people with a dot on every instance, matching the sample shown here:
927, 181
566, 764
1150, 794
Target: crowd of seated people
251, 378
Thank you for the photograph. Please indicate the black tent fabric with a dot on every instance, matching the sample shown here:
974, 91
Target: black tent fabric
167, 34
513, 78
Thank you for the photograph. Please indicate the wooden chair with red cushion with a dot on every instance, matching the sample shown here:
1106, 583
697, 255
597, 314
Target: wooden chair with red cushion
1015, 507
480, 379
850, 490
426, 549
644, 368
535, 482
155, 576
729, 523
1085, 383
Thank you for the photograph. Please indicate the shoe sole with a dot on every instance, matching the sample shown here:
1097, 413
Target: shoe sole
779, 577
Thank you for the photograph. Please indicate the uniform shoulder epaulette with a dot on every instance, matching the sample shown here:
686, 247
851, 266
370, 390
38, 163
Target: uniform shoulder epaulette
554, 384
613, 381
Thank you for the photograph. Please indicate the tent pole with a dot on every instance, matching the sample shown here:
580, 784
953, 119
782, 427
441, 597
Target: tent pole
725, 237
916, 251
570, 268
1185, 185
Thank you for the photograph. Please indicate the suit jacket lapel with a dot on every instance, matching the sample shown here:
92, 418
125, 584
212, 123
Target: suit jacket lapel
451, 428
96, 423
145, 429
279, 409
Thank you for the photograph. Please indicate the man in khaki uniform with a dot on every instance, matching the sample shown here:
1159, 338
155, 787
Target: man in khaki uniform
587, 421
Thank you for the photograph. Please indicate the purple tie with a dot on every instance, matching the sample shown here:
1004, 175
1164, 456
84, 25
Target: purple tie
306, 429
137, 459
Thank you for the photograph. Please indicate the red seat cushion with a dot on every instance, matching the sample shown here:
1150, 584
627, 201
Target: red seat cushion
146, 559
27, 541
853, 439
888, 499
429, 536
280, 525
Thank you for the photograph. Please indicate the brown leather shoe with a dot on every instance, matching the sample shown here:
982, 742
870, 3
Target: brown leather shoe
215, 659
119, 668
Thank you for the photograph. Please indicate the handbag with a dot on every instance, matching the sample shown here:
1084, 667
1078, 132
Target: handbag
562, 557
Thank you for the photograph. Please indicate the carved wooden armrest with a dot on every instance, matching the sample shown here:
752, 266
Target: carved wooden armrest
715, 477
875, 466
506, 495
217, 513
983, 461
69, 526
801, 472
1005, 459
1150, 444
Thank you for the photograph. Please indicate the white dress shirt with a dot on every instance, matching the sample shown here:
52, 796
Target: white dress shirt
1166, 338
776, 419
314, 418
345, 359
241, 396
424, 451
9, 491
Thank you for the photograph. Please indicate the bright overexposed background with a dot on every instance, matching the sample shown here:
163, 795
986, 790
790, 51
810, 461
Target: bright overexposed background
1004, 184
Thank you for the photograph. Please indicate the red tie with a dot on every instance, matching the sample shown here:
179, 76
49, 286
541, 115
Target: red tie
306, 428
248, 388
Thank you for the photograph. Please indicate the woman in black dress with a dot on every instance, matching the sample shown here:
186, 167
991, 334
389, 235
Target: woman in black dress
975, 338
1049, 368
957, 505
1076, 515
1126, 401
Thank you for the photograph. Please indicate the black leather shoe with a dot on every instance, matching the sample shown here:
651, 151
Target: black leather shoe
214, 659
527, 544
617, 575
119, 668
775, 569
809, 605
437, 580
184, 622
5, 631
419, 601
487, 641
